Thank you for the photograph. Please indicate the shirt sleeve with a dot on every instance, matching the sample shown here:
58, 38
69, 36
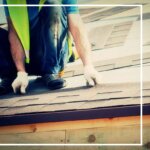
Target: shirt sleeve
71, 9
6, 8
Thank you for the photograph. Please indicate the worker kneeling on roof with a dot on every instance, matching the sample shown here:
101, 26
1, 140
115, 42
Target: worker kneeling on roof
38, 43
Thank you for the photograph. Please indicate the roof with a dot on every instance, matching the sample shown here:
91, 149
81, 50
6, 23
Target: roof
105, 101
116, 56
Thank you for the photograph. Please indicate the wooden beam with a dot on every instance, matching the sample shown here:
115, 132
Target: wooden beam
115, 130
124, 135
71, 125
35, 138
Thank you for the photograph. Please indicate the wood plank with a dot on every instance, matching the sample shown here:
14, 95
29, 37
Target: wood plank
88, 131
35, 138
146, 136
128, 134
72, 125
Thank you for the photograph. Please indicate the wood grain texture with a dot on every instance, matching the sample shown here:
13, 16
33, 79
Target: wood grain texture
116, 130
73, 125
105, 135
35, 138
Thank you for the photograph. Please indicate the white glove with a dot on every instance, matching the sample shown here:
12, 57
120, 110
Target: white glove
21, 82
91, 75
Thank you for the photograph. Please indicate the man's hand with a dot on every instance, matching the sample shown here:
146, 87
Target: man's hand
20, 83
91, 75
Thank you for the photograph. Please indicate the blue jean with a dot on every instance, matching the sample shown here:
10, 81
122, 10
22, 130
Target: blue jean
45, 58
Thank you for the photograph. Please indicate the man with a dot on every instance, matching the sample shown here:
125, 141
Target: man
47, 42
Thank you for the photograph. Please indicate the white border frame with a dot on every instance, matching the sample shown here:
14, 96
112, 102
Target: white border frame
141, 77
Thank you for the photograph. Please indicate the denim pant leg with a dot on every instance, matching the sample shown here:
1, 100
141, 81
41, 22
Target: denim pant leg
45, 57
7, 66
63, 40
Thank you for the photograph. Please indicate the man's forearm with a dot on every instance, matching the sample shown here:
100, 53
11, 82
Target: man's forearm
17, 51
83, 47
81, 40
